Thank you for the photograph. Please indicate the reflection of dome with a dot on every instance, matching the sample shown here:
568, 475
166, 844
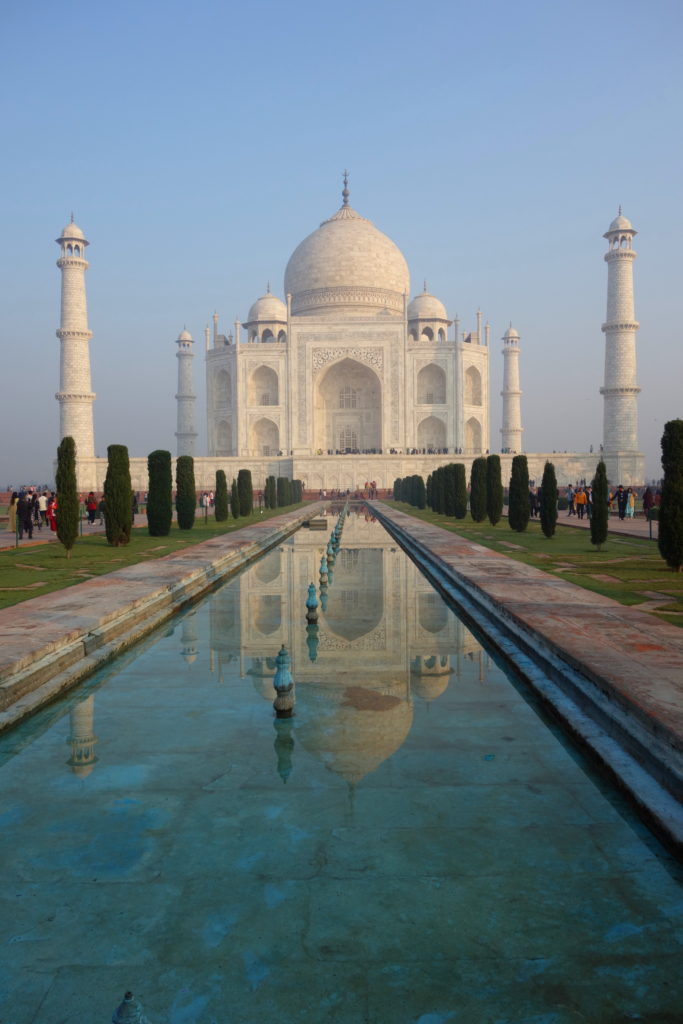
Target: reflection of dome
354, 730
269, 308
347, 262
426, 307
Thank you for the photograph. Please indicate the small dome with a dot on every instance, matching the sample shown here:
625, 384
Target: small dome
268, 308
620, 223
511, 334
72, 231
184, 335
426, 307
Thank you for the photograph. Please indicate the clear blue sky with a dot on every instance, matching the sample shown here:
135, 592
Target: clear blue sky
198, 144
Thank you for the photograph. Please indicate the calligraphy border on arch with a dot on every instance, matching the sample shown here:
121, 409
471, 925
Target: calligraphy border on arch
373, 357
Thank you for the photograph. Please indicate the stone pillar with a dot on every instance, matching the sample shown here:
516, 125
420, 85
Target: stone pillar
75, 396
511, 431
620, 425
186, 397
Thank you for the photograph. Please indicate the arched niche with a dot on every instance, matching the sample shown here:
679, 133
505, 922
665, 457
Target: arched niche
432, 613
267, 335
431, 385
268, 568
348, 408
358, 605
265, 613
427, 334
263, 387
264, 437
223, 388
282, 336
472, 386
473, 435
431, 433
223, 438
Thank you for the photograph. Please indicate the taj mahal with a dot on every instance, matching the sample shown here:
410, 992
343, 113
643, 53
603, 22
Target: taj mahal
348, 379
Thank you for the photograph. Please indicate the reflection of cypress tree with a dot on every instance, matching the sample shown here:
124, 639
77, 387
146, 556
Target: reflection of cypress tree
549, 500
68, 507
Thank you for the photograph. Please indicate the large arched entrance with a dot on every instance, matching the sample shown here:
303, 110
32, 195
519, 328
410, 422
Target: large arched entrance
348, 409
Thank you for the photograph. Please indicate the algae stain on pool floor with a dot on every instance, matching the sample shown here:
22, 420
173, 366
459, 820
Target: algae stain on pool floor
415, 844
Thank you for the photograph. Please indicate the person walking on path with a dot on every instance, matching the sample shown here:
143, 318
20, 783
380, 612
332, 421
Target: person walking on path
648, 502
630, 503
42, 506
571, 494
622, 499
52, 512
580, 502
91, 508
25, 517
12, 511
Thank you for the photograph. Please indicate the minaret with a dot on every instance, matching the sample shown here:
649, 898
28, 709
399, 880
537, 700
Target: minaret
75, 396
185, 398
620, 424
511, 430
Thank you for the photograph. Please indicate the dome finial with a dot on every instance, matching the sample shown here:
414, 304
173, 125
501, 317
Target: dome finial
72, 217
424, 289
345, 190
268, 288
620, 209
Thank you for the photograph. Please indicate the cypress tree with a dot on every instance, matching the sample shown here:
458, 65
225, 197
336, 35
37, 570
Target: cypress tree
68, 505
221, 498
518, 501
449, 490
281, 492
600, 516
271, 491
494, 489
671, 509
438, 491
234, 500
429, 489
460, 506
245, 492
186, 492
397, 489
160, 497
118, 496
420, 492
549, 500
478, 490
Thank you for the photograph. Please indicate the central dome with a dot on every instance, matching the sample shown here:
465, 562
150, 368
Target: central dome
347, 264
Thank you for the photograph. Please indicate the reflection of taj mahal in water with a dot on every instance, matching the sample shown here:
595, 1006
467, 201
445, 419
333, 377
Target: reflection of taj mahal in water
385, 640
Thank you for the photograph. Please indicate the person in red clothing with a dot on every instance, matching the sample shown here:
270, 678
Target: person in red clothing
51, 512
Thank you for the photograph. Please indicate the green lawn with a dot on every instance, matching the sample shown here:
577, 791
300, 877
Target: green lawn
628, 569
32, 571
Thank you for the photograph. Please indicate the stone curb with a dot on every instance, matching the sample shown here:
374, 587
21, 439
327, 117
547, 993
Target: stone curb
641, 750
49, 644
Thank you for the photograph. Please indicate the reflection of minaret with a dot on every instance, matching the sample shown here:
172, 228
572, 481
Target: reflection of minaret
429, 676
188, 639
284, 746
511, 430
82, 738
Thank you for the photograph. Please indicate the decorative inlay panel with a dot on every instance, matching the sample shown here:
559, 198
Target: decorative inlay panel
371, 356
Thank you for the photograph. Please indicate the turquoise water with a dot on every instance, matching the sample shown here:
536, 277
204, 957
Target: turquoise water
415, 845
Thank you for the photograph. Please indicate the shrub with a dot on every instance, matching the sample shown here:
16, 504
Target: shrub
118, 496
186, 492
600, 512
548, 500
478, 490
221, 497
494, 489
671, 507
518, 506
68, 505
160, 497
245, 492
460, 505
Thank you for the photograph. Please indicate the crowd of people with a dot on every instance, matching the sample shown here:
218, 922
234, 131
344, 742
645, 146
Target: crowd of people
31, 510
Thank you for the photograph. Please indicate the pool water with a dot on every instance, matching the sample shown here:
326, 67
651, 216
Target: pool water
416, 844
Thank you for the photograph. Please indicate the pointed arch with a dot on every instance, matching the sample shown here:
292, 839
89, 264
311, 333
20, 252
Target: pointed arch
473, 434
431, 433
264, 387
472, 386
431, 385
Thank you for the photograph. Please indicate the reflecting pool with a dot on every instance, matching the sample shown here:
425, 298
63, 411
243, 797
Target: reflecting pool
415, 844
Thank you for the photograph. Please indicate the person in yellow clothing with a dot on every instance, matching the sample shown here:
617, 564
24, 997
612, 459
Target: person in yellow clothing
12, 510
630, 503
580, 502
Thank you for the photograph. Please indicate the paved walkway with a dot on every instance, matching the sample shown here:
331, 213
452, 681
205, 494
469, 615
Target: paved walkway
637, 527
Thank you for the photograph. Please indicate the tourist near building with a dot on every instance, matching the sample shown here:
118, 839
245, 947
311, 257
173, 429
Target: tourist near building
348, 380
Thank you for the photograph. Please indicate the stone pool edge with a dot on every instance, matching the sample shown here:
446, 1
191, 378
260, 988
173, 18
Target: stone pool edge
615, 680
49, 644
